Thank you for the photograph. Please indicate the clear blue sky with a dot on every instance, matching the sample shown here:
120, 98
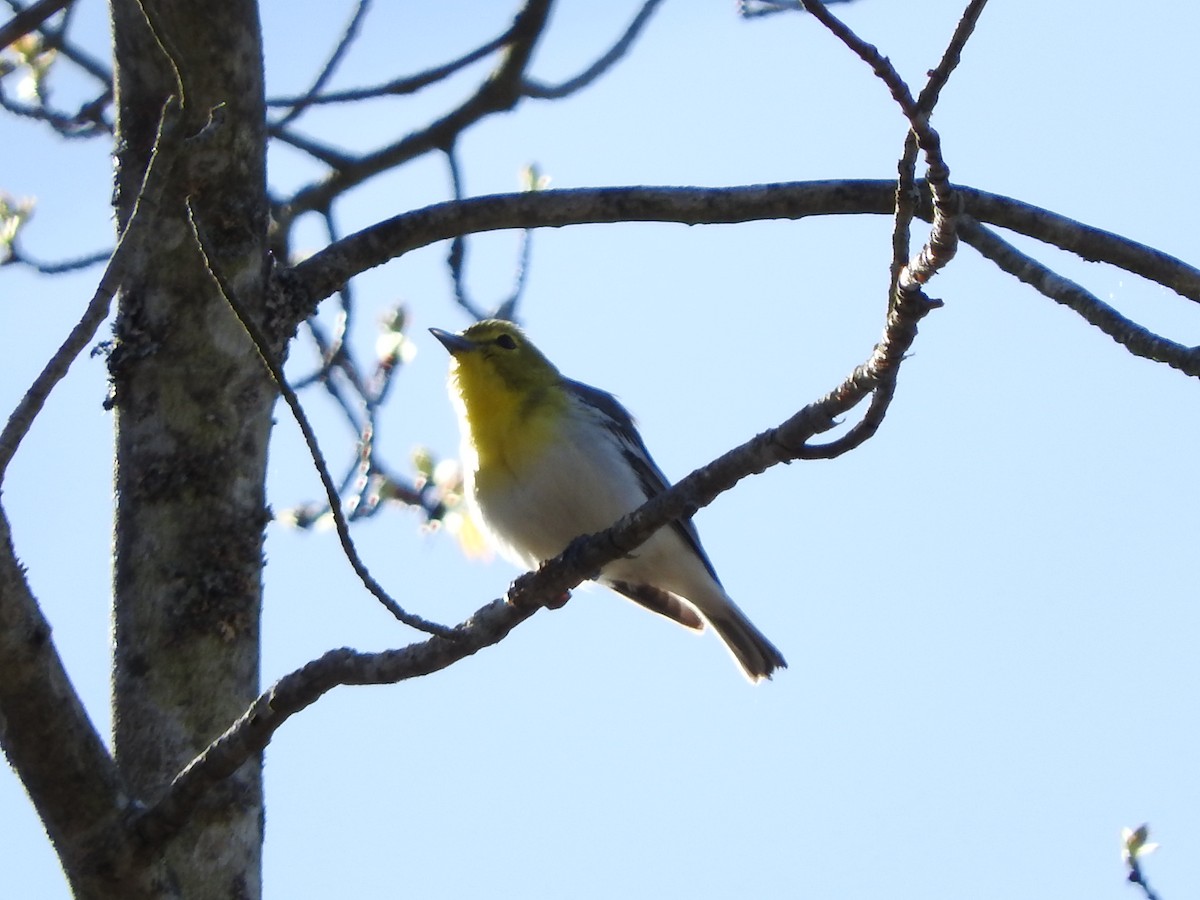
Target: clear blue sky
989, 610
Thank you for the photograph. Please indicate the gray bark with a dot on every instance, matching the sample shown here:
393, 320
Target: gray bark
193, 412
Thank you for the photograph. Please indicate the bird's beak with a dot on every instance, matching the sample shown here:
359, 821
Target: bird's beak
455, 343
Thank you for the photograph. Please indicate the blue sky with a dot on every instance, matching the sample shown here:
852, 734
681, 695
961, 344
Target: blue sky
989, 610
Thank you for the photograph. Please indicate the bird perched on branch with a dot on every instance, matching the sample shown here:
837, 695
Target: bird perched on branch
547, 459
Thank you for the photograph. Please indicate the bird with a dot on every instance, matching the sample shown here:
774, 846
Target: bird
546, 459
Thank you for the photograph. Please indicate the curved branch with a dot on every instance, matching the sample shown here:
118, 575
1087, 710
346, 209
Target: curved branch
45, 731
320, 275
263, 346
540, 91
324, 272
162, 158
1137, 340
943, 238
60, 267
349, 33
409, 84
1085, 241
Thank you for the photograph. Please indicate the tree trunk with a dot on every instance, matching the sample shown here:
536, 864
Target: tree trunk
193, 414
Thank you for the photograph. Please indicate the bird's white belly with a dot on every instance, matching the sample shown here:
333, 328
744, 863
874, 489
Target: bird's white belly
579, 489
570, 489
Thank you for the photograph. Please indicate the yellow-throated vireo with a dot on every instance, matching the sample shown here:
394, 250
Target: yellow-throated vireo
547, 459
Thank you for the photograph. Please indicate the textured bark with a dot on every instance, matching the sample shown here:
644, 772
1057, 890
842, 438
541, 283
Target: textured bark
193, 406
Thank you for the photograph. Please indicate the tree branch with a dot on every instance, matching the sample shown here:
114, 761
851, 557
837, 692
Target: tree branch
951, 57
1136, 339
501, 91
128, 246
349, 33
409, 84
309, 282
18, 257
943, 238
45, 731
29, 19
56, 40
263, 346
542, 91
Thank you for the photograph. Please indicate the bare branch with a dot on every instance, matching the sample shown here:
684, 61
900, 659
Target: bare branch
87, 122
1136, 876
262, 345
409, 84
500, 92
321, 274
754, 9
47, 735
943, 241
55, 39
1137, 340
29, 19
18, 257
128, 246
907, 199
906, 193
950, 59
348, 35
324, 272
1085, 241
331, 156
299, 690
599, 67
456, 258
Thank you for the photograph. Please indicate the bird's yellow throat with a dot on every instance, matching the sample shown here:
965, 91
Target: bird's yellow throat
509, 426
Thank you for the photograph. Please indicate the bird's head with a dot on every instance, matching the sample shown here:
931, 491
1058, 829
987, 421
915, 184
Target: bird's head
495, 355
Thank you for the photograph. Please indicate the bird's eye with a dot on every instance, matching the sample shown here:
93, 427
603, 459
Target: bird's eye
507, 342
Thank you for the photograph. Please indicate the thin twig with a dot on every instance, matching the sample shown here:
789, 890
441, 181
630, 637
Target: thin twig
906, 191
18, 257
754, 9
942, 243
348, 36
876, 376
908, 197
456, 258
67, 125
929, 95
500, 91
541, 91
1136, 339
263, 347
338, 348
409, 84
331, 156
1136, 876
130, 243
